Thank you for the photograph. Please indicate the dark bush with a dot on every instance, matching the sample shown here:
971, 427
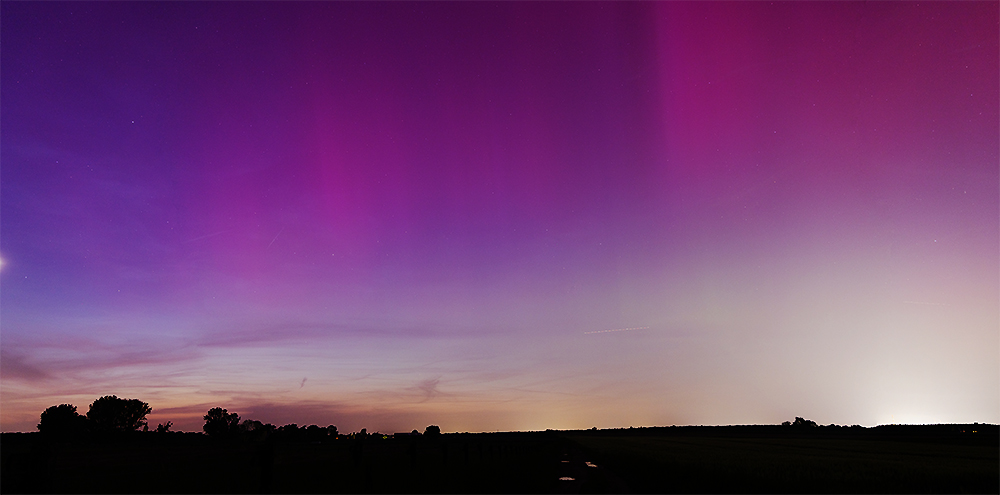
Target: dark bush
111, 414
221, 423
62, 421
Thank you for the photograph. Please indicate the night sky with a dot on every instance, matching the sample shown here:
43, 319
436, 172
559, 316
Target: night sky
502, 216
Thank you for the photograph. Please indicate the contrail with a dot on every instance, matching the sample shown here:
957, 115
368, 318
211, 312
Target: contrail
616, 330
207, 236
275, 238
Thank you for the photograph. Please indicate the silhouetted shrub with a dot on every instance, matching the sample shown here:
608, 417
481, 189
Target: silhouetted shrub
62, 421
804, 422
164, 427
314, 433
221, 423
111, 414
255, 431
432, 430
251, 425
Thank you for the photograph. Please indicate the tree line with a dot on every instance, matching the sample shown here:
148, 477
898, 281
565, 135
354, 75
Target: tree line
108, 414
113, 415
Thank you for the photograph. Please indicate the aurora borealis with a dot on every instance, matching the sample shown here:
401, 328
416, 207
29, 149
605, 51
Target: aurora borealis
388, 215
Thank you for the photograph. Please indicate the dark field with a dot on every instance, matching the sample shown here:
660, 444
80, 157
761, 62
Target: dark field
900, 459
766, 462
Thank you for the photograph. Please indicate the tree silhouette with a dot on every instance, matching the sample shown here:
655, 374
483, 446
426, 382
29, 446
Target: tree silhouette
432, 430
62, 420
164, 427
803, 422
221, 423
109, 413
254, 430
251, 425
314, 433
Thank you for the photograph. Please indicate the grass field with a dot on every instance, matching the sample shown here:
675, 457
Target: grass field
661, 460
484, 463
691, 464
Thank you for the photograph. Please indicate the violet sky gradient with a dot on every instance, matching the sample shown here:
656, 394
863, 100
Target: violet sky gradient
387, 215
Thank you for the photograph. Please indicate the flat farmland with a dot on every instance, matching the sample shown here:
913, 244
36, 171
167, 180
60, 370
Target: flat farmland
695, 459
190, 463
713, 464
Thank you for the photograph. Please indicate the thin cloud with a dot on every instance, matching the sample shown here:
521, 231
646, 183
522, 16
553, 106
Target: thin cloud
67, 357
430, 388
16, 367
255, 334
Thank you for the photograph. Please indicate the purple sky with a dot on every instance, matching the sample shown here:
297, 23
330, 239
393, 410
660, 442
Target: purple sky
392, 215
